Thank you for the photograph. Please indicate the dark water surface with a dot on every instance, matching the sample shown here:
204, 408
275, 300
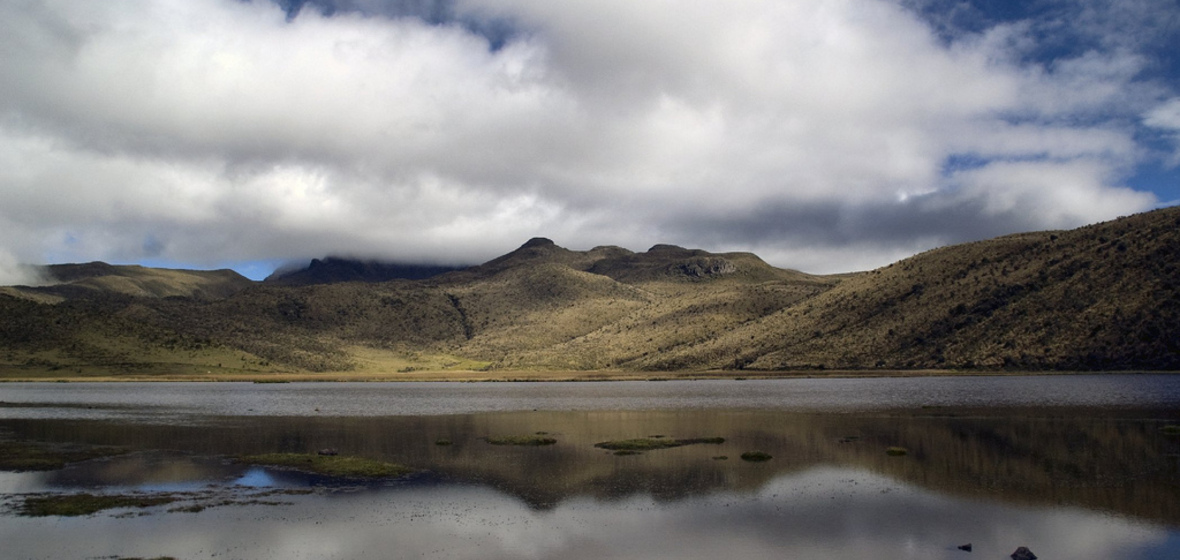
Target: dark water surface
165, 401
1077, 467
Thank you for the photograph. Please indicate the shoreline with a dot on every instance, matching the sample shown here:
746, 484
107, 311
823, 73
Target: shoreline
526, 376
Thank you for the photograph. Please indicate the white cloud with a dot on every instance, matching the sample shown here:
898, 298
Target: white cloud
1048, 194
14, 272
219, 130
1166, 117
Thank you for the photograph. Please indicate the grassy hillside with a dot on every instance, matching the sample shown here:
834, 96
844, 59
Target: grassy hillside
1099, 297
71, 281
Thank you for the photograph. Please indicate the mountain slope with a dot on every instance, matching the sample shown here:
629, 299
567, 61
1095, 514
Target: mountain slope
68, 281
1099, 297
331, 270
543, 306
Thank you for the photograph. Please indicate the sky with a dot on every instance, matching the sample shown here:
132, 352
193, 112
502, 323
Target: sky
823, 135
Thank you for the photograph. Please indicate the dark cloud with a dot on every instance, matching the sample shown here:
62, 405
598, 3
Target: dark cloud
496, 30
432, 11
937, 216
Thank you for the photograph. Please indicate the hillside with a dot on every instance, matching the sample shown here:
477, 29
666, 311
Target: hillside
331, 270
1102, 297
71, 281
1099, 297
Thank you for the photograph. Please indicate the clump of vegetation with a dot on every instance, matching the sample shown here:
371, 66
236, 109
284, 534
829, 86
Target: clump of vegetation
1171, 430
331, 465
625, 452
637, 444
896, 451
26, 456
202, 501
721, 458
711, 440
529, 440
756, 456
191, 508
443, 442
86, 504
653, 443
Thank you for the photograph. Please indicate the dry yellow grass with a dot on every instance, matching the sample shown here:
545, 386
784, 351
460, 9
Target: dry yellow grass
1103, 297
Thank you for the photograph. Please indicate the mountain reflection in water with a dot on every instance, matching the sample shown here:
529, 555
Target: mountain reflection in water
825, 512
1119, 461
1066, 481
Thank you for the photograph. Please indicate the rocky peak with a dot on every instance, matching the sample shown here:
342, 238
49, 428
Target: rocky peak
538, 242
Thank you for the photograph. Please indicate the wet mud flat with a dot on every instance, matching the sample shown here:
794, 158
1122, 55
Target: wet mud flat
1067, 482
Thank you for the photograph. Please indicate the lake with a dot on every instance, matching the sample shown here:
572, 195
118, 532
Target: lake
1071, 466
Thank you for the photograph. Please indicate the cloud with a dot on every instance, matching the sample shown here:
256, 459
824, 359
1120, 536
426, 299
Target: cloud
14, 272
1166, 118
824, 135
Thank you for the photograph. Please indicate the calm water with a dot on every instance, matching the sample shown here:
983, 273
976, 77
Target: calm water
1071, 466
171, 400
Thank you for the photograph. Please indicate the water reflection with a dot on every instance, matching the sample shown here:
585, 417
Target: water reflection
826, 512
1067, 482
1118, 461
256, 477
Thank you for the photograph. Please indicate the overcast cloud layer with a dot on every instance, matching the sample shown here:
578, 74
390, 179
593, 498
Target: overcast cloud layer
824, 135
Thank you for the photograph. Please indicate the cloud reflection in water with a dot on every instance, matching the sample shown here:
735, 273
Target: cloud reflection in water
820, 513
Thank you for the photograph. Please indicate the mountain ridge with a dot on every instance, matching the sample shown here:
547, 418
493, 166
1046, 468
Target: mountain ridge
1101, 297
332, 269
81, 280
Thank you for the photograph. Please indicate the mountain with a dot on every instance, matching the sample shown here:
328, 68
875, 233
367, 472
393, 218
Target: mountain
1098, 297
1102, 297
70, 281
337, 269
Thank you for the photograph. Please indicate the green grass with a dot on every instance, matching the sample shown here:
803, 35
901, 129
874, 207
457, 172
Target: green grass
896, 451
756, 456
532, 439
1171, 430
25, 456
85, 504
653, 443
335, 465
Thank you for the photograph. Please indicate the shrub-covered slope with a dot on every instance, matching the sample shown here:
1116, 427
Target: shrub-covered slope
1099, 297
70, 281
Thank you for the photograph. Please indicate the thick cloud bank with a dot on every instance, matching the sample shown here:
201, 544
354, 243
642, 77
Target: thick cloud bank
825, 135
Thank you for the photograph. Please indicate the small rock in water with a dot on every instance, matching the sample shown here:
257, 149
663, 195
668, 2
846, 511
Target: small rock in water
1023, 553
966, 547
329, 452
